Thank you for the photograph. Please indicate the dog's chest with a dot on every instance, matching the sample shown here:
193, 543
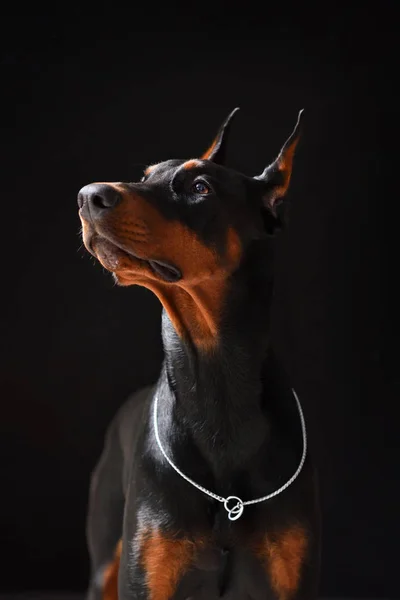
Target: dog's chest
256, 565
231, 574
205, 572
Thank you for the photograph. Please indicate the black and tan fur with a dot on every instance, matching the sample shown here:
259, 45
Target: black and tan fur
201, 237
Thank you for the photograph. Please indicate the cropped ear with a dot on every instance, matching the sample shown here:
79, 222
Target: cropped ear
276, 177
217, 151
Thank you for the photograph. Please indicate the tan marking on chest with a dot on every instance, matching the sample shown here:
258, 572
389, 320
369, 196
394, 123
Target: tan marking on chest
283, 557
165, 560
110, 587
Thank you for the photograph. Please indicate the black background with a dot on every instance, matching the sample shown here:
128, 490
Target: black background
95, 93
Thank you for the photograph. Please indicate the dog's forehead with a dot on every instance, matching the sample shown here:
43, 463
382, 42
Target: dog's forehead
167, 170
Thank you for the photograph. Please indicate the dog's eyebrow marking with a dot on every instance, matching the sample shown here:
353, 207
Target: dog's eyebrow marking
150, 169
191, 164
283, 557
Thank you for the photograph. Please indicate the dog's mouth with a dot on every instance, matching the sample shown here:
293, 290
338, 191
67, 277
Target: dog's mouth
117, 259
165, 270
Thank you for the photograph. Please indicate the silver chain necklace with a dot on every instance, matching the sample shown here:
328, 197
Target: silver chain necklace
234, 506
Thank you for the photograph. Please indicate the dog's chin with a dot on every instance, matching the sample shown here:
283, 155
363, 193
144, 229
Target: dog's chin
127, 268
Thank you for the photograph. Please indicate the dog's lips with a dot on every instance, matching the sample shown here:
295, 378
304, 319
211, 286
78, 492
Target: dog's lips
110, 255
117, 259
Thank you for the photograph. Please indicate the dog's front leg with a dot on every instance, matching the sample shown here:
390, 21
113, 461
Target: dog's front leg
154, 563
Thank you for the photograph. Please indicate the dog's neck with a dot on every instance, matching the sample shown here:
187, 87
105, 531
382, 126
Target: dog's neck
218, 393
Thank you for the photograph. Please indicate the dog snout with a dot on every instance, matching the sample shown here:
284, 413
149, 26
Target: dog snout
97, 198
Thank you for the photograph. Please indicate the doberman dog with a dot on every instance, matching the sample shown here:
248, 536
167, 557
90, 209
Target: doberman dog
222, 413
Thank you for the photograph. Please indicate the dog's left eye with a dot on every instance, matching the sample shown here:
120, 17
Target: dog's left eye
201, 188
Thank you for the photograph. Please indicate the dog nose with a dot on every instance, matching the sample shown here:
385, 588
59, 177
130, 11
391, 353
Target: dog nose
98, 197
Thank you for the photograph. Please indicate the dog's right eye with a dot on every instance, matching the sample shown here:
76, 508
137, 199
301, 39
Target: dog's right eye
199, 187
